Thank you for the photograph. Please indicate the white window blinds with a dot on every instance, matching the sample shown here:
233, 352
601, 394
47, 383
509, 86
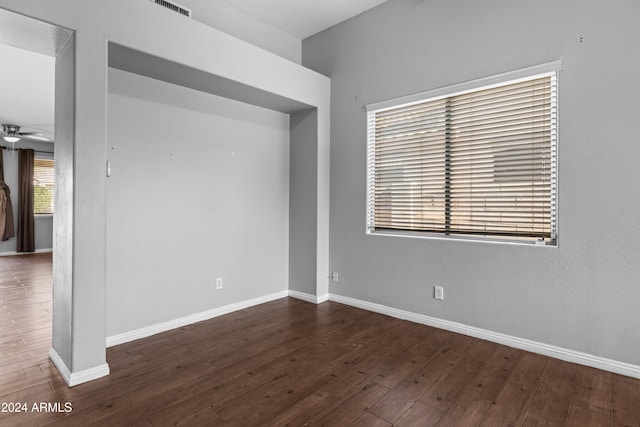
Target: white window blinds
477, 163
43, 186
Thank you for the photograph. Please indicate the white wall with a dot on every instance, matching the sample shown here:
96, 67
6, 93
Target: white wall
232, 20
583, 295
199, 189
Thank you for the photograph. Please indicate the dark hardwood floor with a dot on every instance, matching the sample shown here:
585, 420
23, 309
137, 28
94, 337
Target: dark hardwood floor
293, 363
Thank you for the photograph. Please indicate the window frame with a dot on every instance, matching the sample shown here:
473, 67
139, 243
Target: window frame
520, 75
45, 156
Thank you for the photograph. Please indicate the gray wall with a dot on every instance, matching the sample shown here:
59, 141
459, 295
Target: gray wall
582, 295
199, 190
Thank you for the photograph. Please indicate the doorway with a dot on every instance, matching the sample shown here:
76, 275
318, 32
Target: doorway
27, 82
29, 281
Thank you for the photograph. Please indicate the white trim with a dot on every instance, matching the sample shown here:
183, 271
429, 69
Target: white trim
192, 318
209, 314
511, 341
523, 344
522, 73
303, 296
75, 378
37, 251
323, 298
309, 297
59, 363
460, 238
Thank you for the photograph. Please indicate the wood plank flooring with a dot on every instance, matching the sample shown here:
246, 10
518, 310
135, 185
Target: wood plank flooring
291, 363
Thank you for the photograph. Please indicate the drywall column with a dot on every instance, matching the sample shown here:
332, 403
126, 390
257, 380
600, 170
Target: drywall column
63, 219
79, 241
89, 227
323, 145
309, 203
303, 188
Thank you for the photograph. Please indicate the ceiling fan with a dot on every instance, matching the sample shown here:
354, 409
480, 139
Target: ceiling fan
12, 134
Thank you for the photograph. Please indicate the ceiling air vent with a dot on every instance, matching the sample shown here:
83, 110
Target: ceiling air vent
174, 6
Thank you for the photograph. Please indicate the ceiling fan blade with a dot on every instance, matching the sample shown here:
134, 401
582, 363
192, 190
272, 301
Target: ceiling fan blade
35, 136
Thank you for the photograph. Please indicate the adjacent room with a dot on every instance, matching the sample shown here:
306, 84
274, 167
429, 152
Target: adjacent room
365, 212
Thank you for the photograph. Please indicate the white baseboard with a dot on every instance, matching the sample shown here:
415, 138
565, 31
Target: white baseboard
308, 297
37, 251
188, 320
75, 378
508, 340
323, 298
511, 341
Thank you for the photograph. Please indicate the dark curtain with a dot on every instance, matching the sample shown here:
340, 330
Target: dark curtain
7, 230
26, 238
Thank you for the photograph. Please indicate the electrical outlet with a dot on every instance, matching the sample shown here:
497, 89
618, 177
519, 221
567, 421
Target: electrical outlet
438, 293
219, 283
335, 277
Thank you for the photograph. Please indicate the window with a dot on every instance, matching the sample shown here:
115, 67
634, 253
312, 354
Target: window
43, 186
477, 160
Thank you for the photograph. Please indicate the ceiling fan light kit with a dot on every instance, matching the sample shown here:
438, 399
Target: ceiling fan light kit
12, 134
11, 139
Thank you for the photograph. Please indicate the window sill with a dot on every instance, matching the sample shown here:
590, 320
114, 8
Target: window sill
461, 238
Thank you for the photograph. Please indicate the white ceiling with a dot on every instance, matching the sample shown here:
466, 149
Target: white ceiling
27, 90
27, 78
303, 18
